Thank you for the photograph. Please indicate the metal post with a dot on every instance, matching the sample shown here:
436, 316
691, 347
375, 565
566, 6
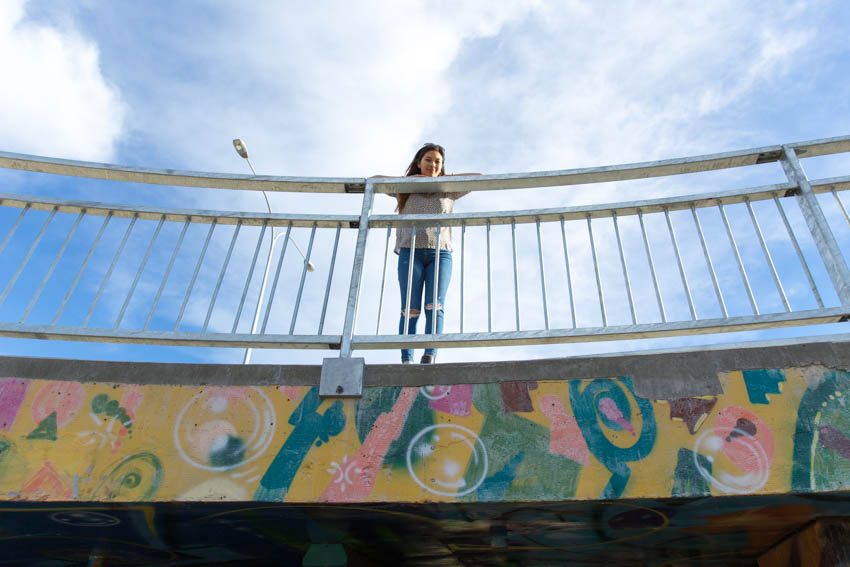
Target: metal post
651, 267
330, 279
708, 261
435, 297
799, 251
52, 266
681, 266
383, 279
489, 284
516, 276
167, 273
596, 271
542, 277
409, 288
824, 239
303, 277
767, 255
462, 271
343, 376
567, 267
625, 269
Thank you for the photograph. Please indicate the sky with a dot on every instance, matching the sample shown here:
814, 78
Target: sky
342, 89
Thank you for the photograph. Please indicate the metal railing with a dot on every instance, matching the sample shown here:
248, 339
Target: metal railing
657, 267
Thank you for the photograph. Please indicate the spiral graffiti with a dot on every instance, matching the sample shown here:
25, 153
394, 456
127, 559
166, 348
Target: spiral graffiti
137, 477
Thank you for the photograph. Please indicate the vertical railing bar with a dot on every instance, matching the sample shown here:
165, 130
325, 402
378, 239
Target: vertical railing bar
250, 275
542, 277
516, 274
81, 268
195, 274
167, 273
799, 251
738, 258
767, 255
837, 200
17, 223
436, 301
625, 269
52, 266
596, 271
462, 268
331, 275
111, 267
489, 284
409, 279
29, 253
708, 261
221, 275
276, 276
681, 265
830, 252
303, 278
652, 267
139, 273
383, 280
436, 297
569, 277
353, 301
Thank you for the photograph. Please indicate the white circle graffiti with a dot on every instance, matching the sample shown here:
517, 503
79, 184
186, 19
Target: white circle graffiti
448, 473
710, 445
256, 437
435, 392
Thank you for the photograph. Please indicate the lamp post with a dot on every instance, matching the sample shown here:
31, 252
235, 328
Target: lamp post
242, 150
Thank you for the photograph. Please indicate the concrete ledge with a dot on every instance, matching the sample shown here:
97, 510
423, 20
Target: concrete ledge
667, 374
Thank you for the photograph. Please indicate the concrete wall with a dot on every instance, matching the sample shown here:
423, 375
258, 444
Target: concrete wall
765, 430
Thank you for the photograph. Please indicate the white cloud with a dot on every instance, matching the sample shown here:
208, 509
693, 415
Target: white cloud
54, 99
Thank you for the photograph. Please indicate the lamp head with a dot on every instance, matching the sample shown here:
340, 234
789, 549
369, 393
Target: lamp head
241, 148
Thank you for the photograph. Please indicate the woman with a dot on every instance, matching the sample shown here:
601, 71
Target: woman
429, 161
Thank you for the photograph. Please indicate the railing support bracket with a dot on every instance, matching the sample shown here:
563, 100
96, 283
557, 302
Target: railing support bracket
342, 377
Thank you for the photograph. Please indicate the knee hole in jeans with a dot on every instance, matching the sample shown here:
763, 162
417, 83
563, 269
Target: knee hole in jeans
430, 306
413, 312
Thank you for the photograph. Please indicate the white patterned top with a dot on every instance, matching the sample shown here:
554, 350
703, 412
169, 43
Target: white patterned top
427, 204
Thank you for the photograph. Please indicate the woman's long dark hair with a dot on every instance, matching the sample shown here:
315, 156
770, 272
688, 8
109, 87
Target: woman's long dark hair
413, 169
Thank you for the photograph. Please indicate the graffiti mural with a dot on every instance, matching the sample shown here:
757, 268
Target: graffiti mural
770, 431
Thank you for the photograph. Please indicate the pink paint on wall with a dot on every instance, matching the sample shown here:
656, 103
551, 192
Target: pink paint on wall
457, 401
291, 392
565, 437
64, 398
132, 399
609, 409
12, 394
353, 479
739, 429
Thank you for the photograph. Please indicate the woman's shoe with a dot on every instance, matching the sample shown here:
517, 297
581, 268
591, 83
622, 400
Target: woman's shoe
427, 359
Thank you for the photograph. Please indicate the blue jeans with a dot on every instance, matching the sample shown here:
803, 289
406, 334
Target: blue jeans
423, 277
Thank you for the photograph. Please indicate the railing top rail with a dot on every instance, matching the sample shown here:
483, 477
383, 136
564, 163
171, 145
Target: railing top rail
175, 214
624, 208
134, 174
623, 172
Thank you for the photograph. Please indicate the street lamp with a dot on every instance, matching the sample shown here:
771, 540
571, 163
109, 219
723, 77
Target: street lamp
242, 150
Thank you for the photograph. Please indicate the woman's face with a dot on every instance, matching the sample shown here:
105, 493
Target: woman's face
431, 164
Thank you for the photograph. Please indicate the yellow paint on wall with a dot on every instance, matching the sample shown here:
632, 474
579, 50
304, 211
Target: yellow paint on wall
207, 443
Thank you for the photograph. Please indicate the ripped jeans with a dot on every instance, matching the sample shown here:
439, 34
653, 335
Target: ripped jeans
424, 265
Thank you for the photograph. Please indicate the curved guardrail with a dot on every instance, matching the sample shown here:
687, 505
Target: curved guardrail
723, 261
